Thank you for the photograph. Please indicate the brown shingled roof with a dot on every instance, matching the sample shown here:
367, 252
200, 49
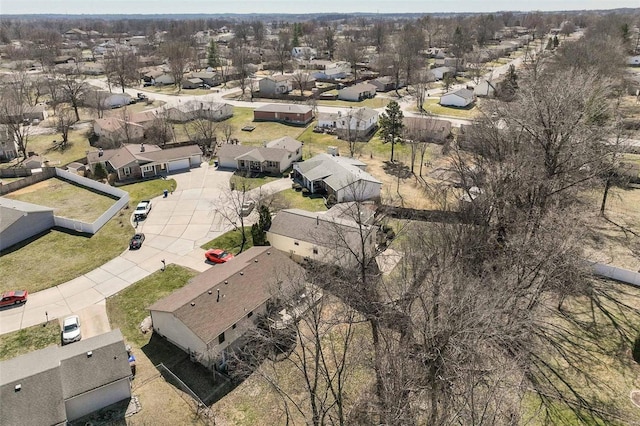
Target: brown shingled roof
245, 283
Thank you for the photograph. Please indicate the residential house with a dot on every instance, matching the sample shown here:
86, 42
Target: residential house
141, 161
357, 92
332, 71
275, 157
426, 129
275, 85
385, 84
322, 236
146, 119
164, 79
199, 109
344, 178
209, 78
485, 89
113, 130
439, 72
75, 34
107, 100
22, 220
303, 81
207, 317
351, 124
458, 98
284, 113
453, 62
192, 83
92, 68
303, 52
8, 147
60, 384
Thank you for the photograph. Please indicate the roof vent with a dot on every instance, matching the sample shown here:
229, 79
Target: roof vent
141, 147
241, 273
255, 260
268, 253
209, 292
193, 303
218, 298
17, 388
226, 282
89, 354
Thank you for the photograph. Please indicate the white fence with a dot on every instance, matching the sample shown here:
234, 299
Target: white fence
618, 274
91, 228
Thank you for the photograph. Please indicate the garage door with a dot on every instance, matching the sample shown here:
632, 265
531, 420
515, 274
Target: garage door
195, 160
179, 165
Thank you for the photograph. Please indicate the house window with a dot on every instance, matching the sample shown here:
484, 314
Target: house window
147, 169
241, 163
126, 171
221, 338
315, 250
250, 314
273, 164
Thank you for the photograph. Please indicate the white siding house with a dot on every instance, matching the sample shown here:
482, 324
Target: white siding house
344, 178
458, 98
207, 316
321, 236
357, 92
355, 123
485, 89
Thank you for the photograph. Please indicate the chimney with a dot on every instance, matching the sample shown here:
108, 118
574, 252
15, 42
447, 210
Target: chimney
100, 152
218, 298
142, 147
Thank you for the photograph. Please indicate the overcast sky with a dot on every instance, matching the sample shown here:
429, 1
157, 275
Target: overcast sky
296, 6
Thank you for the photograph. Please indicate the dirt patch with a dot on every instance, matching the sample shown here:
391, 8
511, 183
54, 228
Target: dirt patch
42, 185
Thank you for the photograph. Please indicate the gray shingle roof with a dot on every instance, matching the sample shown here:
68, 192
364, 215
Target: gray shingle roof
49, 376
463, 93
13, 210
287, 142
337, 172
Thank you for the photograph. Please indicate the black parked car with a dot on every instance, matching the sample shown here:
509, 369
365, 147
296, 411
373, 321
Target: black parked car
136, 241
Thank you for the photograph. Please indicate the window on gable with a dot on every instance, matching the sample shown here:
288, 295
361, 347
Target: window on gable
250, 314
127, 171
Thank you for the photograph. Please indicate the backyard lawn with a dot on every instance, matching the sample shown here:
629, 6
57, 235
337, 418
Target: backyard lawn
231, 241
238, 182
67, 200
56, 256
263, 132
291, 199
76, 148
431, 105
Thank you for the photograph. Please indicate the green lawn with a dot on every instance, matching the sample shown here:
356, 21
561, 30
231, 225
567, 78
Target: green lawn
48, 147
128, 308
67, 200
231, 241
264, 131
432, 106
291, 199
57, 257
29, 339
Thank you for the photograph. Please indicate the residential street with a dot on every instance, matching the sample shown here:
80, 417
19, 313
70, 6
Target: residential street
174, 230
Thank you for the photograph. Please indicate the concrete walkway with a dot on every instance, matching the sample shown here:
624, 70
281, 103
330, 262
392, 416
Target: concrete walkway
175, 229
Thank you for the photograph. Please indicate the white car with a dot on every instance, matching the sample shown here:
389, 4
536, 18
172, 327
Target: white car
142, 210
71, 329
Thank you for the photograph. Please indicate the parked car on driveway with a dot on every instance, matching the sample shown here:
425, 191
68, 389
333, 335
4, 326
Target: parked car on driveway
136, 241
218, 255
142, 210
14, 298
71, 329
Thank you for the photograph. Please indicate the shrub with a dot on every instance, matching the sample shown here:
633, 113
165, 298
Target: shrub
636, 350
305, 192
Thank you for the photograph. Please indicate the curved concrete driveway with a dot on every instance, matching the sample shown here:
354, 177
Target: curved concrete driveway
175, 229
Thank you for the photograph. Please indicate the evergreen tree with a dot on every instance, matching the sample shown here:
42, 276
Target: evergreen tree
213, 57
556, 42
391, 125
258, 230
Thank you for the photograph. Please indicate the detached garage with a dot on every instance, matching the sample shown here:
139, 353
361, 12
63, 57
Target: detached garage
458, 98
21, 220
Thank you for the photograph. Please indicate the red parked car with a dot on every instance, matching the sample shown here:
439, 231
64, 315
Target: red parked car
218, 255
14, 298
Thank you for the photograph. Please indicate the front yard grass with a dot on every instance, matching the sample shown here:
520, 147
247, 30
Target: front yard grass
67, 200
29, 339
291, 199
128, 308
231, 241
56, 256
238, 182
